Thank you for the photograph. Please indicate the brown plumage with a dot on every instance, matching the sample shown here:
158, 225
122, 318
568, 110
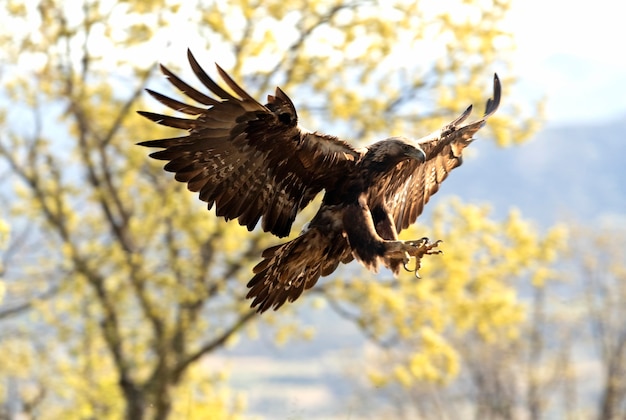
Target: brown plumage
254, 162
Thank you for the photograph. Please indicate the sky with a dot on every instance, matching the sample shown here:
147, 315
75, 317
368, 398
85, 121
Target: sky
572, 52
569, 52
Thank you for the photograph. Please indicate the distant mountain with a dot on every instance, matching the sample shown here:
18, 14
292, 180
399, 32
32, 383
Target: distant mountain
565, 173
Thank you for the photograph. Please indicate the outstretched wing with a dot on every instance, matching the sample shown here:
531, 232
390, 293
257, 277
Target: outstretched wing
252, 161
410, 185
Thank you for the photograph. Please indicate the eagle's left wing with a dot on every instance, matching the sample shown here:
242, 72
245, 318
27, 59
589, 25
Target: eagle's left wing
410, 185
250, 160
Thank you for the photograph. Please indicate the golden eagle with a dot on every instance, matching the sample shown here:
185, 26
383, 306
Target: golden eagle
254, 162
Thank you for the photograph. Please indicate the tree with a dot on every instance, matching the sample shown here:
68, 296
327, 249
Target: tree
131, 282
603, 278
566, 357
462, 318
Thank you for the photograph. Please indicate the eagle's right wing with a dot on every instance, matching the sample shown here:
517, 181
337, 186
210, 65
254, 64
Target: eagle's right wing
252, 161
410, 185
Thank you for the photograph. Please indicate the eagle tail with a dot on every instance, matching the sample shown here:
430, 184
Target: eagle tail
290, 268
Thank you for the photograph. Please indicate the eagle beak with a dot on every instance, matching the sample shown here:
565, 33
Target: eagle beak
417, 153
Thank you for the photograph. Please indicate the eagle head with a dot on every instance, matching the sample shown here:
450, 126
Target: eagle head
395, 150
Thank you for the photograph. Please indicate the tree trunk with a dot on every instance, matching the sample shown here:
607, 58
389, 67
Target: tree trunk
135, 400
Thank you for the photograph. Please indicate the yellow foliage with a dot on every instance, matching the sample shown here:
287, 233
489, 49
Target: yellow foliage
291, 331
467, 290
204, 396
378, 379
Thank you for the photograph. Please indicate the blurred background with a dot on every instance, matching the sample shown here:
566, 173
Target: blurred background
122, 297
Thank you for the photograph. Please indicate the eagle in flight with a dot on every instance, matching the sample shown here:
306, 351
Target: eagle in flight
254, 162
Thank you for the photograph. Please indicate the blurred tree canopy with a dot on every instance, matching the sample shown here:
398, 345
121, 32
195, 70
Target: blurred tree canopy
566, 359
119, 281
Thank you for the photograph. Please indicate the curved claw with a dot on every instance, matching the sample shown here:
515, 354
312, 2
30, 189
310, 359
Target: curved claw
405, 267
413, 249
414, 271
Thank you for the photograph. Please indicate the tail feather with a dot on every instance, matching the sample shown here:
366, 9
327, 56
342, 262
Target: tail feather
289, 269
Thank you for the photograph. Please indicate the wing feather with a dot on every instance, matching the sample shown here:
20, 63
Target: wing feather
186, 89
407, 188
293, 267
207, 80
251, 161
168, 120
234, 86
176, 105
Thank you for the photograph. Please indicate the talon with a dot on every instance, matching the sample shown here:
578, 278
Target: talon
415, 270
418, 265
406, 250
405, 267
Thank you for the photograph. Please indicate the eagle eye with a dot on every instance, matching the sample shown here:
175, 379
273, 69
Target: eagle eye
285, 118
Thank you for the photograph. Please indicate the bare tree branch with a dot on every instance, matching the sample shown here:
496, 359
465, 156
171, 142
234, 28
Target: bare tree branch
213, 344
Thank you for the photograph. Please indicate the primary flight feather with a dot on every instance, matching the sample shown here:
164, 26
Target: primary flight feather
254, 162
